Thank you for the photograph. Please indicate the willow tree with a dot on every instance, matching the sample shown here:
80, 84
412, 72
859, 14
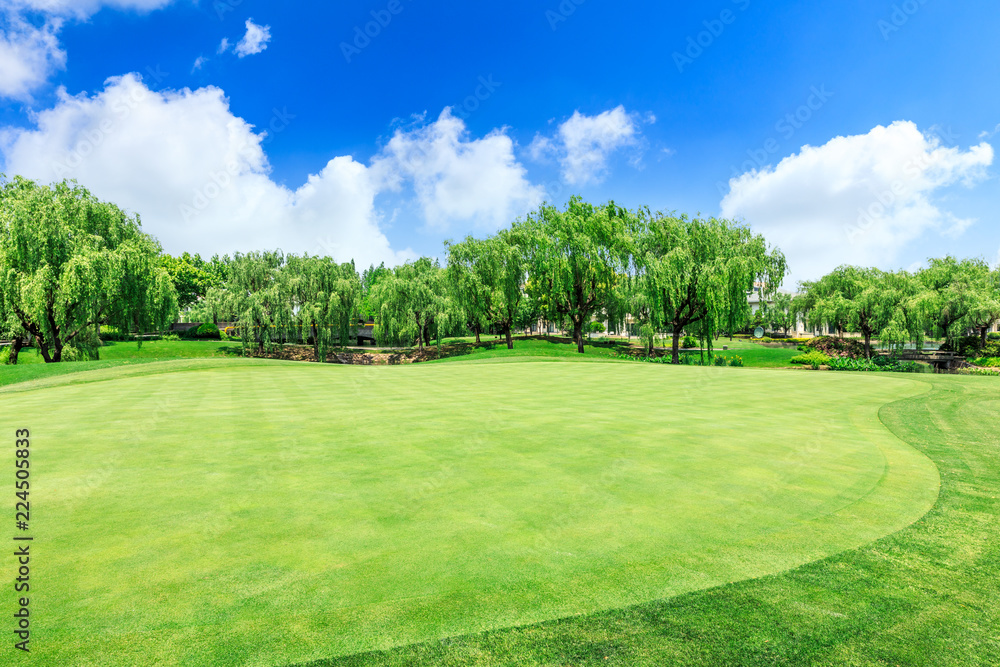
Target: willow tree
985, 310
70, 263
413, 304
326, 300
259, 296
488, 277
950, 291
860, 300
11, 329
697, 273
469, 282
577, 258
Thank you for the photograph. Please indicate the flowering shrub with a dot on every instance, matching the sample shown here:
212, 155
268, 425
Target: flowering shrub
837, 347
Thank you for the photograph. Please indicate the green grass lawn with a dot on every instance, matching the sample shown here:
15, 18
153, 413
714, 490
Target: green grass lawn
31, 366
241, 512
925, 596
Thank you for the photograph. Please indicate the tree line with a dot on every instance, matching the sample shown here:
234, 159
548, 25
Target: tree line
951, 299
72, 264
565, 265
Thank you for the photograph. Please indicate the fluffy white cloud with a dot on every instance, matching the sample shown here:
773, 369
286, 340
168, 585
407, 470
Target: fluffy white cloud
254, 41
857, 199
458, 178
28, 55
584, 143
84, 8
198, 175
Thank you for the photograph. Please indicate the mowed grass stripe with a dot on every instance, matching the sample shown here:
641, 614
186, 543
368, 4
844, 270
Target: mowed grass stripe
278, 513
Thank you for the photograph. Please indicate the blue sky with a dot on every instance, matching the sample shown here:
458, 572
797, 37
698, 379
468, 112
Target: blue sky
672, 105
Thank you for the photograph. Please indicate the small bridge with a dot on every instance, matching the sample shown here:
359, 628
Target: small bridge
940, 360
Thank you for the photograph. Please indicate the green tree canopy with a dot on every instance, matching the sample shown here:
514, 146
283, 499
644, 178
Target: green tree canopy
192, 276
951, 291
697, 273
985, 309
577, 258
71, 263
259, 295
488, 278
326, 298
867, 301
413, 304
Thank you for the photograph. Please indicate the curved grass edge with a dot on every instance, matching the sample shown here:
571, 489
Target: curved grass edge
927, 594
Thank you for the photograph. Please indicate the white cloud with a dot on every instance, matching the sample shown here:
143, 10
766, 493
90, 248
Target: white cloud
857, 199
199, 63
223, 46
29, 47
584, 143
457, 178
198, 175
989, 134
83, 9
28, 55
255, 41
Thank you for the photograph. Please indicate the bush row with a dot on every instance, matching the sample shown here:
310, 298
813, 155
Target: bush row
878, 364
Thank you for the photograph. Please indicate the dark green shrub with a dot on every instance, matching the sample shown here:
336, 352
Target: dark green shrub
689, 342
207, 331
114, 335
719, 361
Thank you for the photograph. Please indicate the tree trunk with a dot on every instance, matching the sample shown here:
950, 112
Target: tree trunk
510, 341
984, 334
868, 346
15, 349
675, 357
478, 339
578, 335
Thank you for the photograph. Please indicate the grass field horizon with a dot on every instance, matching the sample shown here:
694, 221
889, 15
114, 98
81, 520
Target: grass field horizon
408, 504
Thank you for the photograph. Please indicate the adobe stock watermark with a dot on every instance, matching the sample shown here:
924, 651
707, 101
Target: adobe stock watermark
786, 128
95, 137
487, 85
363, 35
219, 181
714, 28
223, 7
561, 14
882, 202
900, 16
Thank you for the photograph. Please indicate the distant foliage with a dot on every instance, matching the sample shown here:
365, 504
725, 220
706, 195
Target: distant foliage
689, 342
207, 331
